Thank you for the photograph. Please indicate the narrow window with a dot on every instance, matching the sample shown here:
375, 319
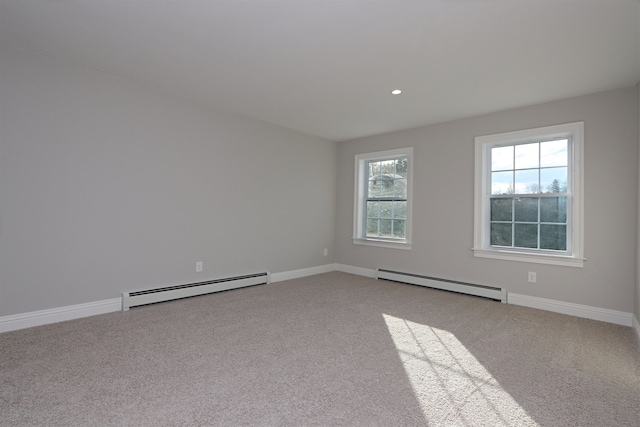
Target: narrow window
382, 206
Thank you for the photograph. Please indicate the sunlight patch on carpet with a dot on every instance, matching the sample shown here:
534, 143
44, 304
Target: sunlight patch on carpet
452, 387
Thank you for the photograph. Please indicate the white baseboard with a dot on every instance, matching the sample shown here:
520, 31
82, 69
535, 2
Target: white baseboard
585, 311
303, 272
60, 314
43, 317
359, 271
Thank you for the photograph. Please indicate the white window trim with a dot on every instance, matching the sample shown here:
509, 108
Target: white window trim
359, 189
481, 247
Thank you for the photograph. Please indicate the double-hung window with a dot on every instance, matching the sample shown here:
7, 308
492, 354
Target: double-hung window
382, 209
528, 204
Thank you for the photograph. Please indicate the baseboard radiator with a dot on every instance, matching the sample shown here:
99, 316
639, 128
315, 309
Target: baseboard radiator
151, 296
491, 292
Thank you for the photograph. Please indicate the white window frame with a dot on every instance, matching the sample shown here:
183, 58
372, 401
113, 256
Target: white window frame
483, 145
359, 209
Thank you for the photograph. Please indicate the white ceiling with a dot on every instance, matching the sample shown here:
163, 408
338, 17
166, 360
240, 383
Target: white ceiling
326, 68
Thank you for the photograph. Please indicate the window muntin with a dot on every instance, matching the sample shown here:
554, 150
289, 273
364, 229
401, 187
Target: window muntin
528, 195
382, 210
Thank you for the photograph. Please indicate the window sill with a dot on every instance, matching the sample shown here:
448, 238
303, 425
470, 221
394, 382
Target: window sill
566, 261
382, 243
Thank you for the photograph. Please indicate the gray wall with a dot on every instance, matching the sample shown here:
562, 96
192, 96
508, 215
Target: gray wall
443, 202
637, 300
107, 185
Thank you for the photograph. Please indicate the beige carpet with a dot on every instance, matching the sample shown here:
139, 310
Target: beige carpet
332, 349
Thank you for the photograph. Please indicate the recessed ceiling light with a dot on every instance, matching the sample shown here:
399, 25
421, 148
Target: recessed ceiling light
396, 92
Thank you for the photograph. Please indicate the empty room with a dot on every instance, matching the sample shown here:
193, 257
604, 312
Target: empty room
296, 213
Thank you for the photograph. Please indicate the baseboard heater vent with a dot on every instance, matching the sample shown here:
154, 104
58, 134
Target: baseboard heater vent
491, 292
151, 296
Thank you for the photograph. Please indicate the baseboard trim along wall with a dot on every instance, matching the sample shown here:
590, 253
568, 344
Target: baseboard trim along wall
358, 271
60, 314
54, 315
303, 272
585, 311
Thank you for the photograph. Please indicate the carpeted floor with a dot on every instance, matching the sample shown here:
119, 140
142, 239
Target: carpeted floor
331, 349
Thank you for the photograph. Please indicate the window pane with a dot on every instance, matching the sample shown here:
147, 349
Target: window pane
374, 169
501, 209
553, 237
502, 182
525, 235
526, 209
554, 153
527, 156
400, 210
387, 186
553, 180
553, 209
372, 227
388, 167
385, 228
502, 158
398, 228
500, 235
372, 210
527, 181
401, 188
374, 188
402, 167
386, 209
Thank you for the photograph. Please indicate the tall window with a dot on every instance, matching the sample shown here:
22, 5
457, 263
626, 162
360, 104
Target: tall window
528, 195
382, 206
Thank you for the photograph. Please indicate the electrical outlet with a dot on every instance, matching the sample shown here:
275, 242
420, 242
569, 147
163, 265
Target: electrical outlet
199, 267
326, 252
532, 277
